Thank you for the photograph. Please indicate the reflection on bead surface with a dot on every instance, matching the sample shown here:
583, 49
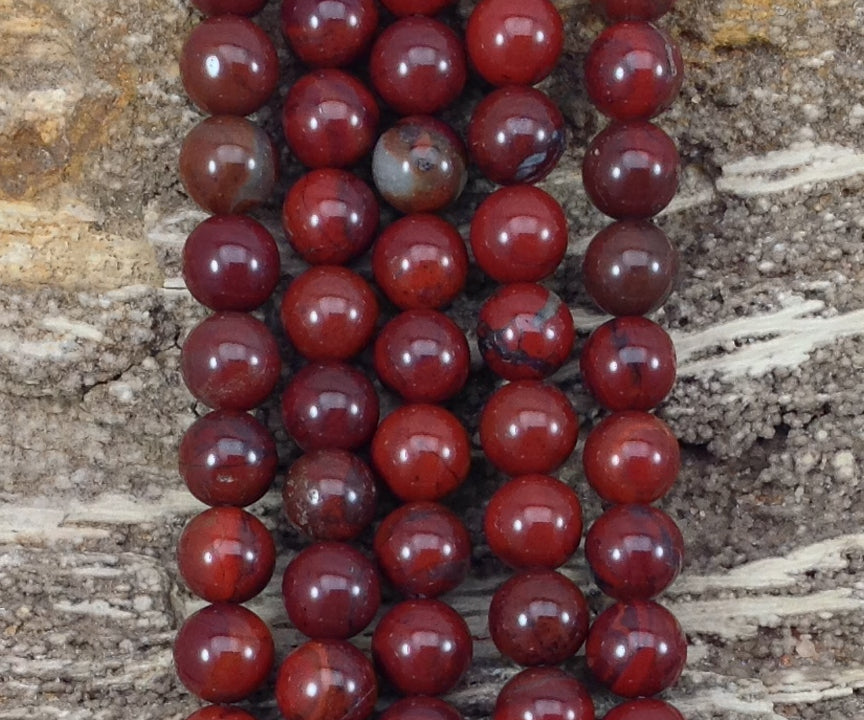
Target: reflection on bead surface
235, 7
220, 712
543, 694
402, 8
329, 33
644, 710
420, 708
618, 10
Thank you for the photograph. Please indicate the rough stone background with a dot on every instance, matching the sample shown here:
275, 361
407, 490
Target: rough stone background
768, 319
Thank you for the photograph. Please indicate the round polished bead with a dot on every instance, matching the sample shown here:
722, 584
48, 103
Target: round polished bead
330, 405
619, 10
630, 170
230, 361
423, 647
629, 364
543, 694
233, 7
228, 165
420, 708
423, 549
524, 331
519, 234
630, 268
226, 555
330, 495
329, 313
220, 712
330, 217
528, 427
329, 33
420, 261
403, 8
645, 709
636, 649
223, 653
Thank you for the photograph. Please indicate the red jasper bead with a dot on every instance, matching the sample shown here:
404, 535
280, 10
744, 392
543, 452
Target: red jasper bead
423, 647
618, 10
533, 521
329, 313
330, 217
330, 495
403, 8
631, 457
636, 649
519, 234
543, 694
420, 708
644, 710
331, 591
329, 33
420, 261
226, 555
629, 364
233, 7
230, 361
223, 653
630, 170
330, 405
524, 331
423, 549
528, 427
330, 119
220, 712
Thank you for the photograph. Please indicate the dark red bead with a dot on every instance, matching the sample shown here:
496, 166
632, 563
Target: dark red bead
233, 7
220, 712
543, 694
226, 555
330, 406
528, 427
630, 170
330, 119
519, 234
644, 710
329, 33
618, 10
629, 364
636, 649
403, 8
420, 261
516, 135
630, 268
420, 708
223, 653
330, 217
423, 549
423, 647
230, 361
228, 165
631, 457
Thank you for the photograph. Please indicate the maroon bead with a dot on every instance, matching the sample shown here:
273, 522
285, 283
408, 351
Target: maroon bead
423, 647
223, 653
330, 495
423, 549
220, 712
330, 406
329, 33
233, 7
629, 364
543, 694
230, 361
519, 234
630, 268
420, 708
330, 217
618, 10
630, 170
631, 457
644, 710
636, 649
228, 165
330, 119
420, 261
403, 8
226, 555
528, 427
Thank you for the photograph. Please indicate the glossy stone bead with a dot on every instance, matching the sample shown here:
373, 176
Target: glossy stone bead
326, 680
423, 356
645, 709
230, 361
228, 66
619, 10
330, 119
226, 555
631, 457
528, 427
223, 653
329, 313
403, 8
516, 135
330, 495
630, 170
420, 708
629, 364
420, 261
423, 647
233, 7
524, 331
220, 712
330, 406
630, 268
538, 617
423, 549
228, 165
543, 694
329, 33
519, 234
636, 649
330, 217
